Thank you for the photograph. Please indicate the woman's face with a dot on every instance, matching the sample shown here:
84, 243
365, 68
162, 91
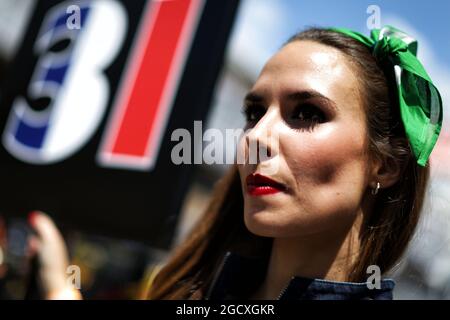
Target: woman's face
307, 95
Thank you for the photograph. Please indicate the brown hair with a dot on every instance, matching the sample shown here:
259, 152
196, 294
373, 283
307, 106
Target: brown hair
385, 233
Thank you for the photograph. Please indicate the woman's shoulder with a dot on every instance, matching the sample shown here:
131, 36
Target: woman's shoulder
239, 275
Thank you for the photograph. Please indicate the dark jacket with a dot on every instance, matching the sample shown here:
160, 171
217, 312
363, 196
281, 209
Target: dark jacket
239, 276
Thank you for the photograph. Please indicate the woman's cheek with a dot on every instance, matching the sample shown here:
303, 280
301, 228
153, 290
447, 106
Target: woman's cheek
325, 146
325, 163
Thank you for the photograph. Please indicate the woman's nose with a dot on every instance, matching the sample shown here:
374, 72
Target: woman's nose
262, 140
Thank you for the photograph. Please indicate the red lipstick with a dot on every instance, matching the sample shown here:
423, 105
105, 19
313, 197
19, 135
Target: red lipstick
259, 185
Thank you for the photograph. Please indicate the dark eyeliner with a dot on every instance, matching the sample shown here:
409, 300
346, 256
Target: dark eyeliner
310, 110
249, 110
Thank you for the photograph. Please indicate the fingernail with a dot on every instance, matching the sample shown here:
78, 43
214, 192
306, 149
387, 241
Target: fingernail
32, 217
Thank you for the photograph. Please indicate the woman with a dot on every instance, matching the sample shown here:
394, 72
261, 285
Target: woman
348, 190
339, 191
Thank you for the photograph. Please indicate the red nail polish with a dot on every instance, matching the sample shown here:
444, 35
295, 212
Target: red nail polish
32, 217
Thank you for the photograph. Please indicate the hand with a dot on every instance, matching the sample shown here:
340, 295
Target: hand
51, 251
3, 245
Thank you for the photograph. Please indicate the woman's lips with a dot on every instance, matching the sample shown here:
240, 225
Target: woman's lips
258, 185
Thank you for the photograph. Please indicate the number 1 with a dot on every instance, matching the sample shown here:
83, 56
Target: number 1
138, 120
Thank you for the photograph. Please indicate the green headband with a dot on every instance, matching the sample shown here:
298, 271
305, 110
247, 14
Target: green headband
419, 100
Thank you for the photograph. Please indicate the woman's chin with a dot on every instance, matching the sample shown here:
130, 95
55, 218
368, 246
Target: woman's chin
265, 224
281, 224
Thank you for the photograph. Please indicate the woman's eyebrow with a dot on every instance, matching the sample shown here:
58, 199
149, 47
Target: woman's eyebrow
253, 97
309, 94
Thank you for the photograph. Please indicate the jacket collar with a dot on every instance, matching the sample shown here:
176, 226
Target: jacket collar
239, 275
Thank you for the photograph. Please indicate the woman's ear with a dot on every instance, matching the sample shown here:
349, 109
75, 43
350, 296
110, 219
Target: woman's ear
386, 171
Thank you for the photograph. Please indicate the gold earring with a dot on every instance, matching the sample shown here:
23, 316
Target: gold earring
375, 190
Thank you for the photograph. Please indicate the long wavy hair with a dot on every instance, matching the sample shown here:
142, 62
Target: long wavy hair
385, 233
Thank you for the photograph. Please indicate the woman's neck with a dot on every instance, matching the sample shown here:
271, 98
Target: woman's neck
325, 256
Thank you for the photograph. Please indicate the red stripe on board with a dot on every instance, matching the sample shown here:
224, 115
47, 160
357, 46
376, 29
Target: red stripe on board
135, 129
143, 104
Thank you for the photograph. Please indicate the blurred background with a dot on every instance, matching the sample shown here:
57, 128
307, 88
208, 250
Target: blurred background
259, 30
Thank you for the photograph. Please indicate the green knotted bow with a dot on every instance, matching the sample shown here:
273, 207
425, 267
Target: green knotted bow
420, 101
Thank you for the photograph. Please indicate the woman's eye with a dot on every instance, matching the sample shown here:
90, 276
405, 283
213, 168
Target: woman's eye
308, 113
253, 112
